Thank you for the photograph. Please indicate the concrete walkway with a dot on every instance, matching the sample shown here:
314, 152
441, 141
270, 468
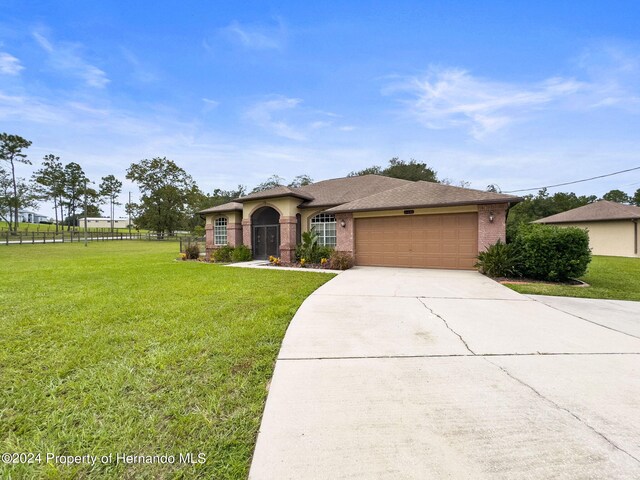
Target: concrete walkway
417, 374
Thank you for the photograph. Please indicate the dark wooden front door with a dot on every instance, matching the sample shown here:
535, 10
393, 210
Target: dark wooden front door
266, 240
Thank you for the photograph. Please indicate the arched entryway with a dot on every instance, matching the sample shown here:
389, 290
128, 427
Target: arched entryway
265, 232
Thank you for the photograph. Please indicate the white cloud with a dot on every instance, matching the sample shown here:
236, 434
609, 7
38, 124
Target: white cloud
452, 97
264, 113
9, 65
209, 104
257, 37
66, 57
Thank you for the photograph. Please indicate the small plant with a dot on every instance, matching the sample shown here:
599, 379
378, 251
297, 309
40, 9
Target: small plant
323, 262
223, 254
241, 253
498, 260
183, 256
302, 262
341, 260
276, 261
192, 252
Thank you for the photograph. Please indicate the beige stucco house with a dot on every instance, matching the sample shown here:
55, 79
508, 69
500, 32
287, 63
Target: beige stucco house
379, 220
612, 227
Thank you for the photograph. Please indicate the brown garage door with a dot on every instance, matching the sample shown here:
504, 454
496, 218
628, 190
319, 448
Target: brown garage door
431, 241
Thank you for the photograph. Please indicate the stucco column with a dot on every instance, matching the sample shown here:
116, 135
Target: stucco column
344, 235
288, 228
246, 232
492, 224
234, 234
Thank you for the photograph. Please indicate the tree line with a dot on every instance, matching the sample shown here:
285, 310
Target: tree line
66, 186
170, 198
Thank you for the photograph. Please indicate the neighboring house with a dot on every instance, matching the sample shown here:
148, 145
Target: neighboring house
379, 220
103, 222
612, 227
31, 217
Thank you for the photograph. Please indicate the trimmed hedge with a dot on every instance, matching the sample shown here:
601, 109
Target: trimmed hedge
540, 252
552, 253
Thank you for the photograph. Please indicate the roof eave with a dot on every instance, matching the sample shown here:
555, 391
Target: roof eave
430, 205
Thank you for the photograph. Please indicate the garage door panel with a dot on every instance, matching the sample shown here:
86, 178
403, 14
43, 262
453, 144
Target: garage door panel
431, 241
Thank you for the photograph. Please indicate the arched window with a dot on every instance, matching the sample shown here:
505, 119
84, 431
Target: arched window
324, 224
220, 231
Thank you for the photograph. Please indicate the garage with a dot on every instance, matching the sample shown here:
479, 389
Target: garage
421, 241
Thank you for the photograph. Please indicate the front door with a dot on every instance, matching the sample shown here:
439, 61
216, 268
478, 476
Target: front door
266, 239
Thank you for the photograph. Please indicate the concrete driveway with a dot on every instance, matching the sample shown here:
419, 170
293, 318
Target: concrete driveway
416, 374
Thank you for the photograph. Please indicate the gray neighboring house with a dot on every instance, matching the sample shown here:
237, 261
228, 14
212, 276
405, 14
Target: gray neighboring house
612, 227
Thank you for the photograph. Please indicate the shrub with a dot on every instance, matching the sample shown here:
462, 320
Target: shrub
223, 254
241, 253
311, 250
499, 260
192, 251
552, 253
341, 260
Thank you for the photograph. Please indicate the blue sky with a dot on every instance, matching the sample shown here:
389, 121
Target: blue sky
518, 94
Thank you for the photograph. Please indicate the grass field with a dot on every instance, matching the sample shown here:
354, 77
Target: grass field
43, 227
118, 348
608, 277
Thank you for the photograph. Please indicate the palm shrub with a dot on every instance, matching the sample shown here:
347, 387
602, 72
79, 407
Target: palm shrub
552, 253
499, 260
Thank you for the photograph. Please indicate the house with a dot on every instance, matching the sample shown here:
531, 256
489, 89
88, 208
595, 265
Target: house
379, 220
612, 227
104, 222
31, 217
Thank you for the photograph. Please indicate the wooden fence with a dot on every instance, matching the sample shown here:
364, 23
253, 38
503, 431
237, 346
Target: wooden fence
21, 238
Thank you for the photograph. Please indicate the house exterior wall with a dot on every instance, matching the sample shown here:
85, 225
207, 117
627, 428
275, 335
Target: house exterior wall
489, 232
344, 235
234, 230
613, 237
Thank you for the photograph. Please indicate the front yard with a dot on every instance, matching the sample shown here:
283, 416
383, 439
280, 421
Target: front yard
117, 348
608, 277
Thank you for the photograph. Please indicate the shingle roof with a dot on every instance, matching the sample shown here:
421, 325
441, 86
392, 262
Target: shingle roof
422, 194
225, 207
593, 212
347, 189
281, 191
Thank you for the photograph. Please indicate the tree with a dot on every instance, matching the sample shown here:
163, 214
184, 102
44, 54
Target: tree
75, 181
167, 193
272, 182
21, 194
110, 188
636, 198
617, 196
542, 205
411, 170
301, 181
50, 180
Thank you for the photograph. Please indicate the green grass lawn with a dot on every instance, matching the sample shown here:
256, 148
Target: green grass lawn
608, 277
118, 348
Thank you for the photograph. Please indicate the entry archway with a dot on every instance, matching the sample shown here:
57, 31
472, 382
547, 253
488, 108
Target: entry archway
265, 232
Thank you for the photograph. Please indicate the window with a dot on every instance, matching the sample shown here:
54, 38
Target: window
220, 231
324, 224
